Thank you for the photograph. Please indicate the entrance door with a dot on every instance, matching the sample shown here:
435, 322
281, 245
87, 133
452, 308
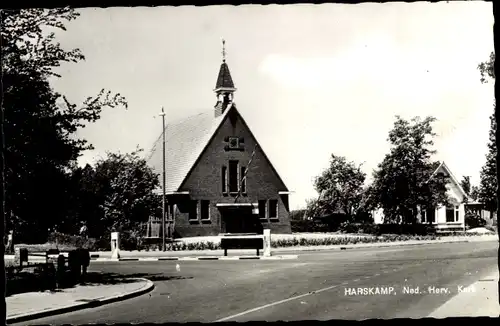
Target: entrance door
238, 220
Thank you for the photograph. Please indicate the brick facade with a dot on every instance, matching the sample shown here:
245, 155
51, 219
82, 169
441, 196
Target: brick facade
205, 183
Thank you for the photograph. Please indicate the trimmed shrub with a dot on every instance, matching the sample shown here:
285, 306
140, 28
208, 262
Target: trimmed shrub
472, 221
301, 226
72, 241
409, 229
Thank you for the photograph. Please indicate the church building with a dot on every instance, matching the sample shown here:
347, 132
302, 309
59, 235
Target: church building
219, 180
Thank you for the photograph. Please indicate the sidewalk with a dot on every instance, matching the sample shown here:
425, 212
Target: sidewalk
33, 305
481, 301
234, 254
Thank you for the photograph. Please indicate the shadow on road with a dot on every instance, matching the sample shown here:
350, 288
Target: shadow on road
95, 278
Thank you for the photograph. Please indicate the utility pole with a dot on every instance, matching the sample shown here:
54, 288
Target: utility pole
164, 247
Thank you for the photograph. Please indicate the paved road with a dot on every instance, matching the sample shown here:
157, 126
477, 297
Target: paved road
209, 291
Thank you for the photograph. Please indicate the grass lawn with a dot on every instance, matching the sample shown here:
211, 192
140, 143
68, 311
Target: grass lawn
45, 247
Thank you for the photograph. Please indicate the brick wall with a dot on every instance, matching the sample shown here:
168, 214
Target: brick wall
205, 183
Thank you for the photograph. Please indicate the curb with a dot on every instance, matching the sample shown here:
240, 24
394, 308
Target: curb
378, 246
280, 257
80, 306
96, 257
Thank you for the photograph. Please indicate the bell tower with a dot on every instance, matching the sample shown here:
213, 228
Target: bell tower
224, 88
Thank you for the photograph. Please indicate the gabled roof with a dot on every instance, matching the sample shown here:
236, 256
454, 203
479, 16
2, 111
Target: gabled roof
186, 140
224, 80
452, 177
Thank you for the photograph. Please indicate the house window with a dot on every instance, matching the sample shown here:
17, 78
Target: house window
170, 212
457, 213
423, 216
243, 180
431, 215
224, 179
450, 214
273, 209
233, 176
193, 210
262, 209
205, 210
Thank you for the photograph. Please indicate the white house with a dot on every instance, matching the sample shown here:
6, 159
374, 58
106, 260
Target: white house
450, 217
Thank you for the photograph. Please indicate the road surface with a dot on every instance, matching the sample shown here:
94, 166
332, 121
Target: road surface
319, 285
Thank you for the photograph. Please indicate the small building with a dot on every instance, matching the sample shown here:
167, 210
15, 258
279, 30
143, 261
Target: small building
445, 217
218, 178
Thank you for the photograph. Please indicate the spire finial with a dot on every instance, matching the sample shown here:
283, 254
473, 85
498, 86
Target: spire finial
223, 50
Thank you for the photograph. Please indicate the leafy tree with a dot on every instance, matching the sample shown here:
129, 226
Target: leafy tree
312, 208
119, 192
474, 193
488, 175
340, 187
466, 186
297, 214
366, 206
487, 193
40, 124
403, 180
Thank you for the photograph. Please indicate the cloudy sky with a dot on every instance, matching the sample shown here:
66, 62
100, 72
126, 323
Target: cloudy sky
312, 79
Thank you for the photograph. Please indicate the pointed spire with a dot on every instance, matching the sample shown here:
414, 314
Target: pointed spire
224, 80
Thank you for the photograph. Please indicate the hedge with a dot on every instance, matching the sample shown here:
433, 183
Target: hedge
301, 226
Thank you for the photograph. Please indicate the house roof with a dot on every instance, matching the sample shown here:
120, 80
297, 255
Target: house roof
452, 177
224, 79
186, 141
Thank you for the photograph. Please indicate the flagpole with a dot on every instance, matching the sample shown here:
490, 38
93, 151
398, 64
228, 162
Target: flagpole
163, 183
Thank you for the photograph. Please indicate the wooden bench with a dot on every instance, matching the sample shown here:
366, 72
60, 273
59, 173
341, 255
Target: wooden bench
242, 242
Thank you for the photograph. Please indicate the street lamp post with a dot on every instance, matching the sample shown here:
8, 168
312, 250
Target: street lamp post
162, 114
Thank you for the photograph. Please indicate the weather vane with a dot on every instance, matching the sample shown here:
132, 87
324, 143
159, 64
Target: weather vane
223, 50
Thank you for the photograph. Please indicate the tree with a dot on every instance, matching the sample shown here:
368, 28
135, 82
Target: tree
474, 193
487, 193
297, 214
340, 187
123, 196
466, 186
488, 175
367, 205
40, 124
403, 181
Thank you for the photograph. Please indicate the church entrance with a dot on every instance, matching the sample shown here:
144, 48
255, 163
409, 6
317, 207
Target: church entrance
237, 219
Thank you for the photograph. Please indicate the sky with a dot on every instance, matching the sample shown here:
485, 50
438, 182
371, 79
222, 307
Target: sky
312, 80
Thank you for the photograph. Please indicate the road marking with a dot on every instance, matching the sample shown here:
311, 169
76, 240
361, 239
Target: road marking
275, 303
246, 312
356, 280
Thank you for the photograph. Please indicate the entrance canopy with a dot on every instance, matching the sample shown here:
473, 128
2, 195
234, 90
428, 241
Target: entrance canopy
242, 206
